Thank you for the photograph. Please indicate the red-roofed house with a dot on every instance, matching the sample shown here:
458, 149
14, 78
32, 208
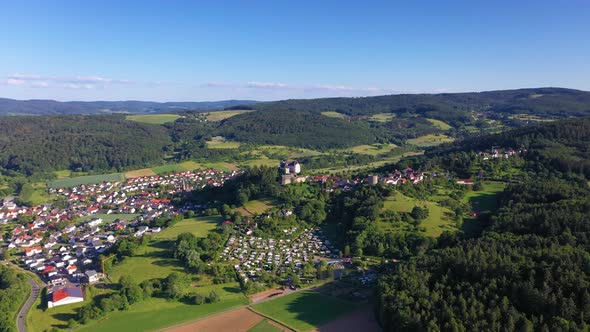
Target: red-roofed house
33, 251
65, 296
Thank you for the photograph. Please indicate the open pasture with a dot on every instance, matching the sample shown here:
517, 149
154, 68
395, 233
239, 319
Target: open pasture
199, 226
153, 118
381, 117
222, 115
439, 218
76, 181
440, 124
305, 310
430, 140
332, 114
373, 149
156, 313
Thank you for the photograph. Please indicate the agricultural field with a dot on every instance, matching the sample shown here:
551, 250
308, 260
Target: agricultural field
430, 140
139, 173
169, 168
332, 114
156, 313
439, 218
222, 144
529, 117
241, 319
222, 115
440, 124
373, 149
305, 310
265, 326
381, 117
199, 226
76, 181
153, 118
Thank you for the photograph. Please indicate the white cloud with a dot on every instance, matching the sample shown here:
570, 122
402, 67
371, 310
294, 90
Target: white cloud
12, 81
218, 85
75, 82
266, 85
78, 86
40, 84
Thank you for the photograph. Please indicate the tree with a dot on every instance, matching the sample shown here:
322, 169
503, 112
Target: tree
419, 213
213, 297
198, 299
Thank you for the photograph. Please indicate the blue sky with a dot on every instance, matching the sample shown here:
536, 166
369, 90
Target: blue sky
268, 50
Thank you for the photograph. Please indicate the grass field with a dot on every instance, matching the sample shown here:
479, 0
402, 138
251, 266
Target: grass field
439, 218
381, 117
155, 260
430, 140
485, 200
373, 149
153, 118
332, 114
38, 320
440, 124
169, 168
265, 326
222, 144
258, 206
139, 173
222, 115
76, 181
262, 161
155, 314
306, 310
529, 117
198, 226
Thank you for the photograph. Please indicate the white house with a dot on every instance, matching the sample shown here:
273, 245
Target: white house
65, 296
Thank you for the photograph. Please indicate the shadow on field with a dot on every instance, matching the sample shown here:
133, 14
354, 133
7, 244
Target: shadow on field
232, 289
316, 308
63, 317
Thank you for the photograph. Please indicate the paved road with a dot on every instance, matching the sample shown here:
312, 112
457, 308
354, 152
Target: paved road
22, 315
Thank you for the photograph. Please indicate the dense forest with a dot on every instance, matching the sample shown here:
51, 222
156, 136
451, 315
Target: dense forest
13, 289
453, 107
80, 143
528, 270
295, 128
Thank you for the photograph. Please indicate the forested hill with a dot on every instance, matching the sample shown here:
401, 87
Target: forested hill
45, 107
562, 145
528, 270
545, 102
31, 144
295, 128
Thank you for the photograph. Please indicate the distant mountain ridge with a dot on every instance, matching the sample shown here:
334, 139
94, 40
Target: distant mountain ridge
48, 107
546, 102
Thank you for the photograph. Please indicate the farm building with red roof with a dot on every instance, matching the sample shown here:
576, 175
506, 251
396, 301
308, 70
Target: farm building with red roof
64, 296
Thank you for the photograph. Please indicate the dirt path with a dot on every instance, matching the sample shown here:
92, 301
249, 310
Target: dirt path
237, 320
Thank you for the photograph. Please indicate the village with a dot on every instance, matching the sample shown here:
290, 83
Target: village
62, 245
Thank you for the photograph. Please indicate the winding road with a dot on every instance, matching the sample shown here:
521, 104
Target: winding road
22, 315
